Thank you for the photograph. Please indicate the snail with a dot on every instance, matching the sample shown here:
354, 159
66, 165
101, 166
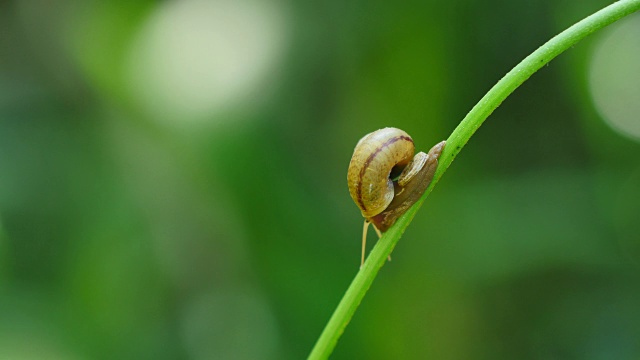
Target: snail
385, 178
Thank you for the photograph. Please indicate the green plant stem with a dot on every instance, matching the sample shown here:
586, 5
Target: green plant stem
463, 132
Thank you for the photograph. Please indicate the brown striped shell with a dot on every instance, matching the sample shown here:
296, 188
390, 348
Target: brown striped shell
378, 158
369, 172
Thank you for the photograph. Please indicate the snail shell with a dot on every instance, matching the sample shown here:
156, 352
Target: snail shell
374, 157
377, 160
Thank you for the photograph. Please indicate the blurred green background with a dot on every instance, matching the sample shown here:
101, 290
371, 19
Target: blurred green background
173, 180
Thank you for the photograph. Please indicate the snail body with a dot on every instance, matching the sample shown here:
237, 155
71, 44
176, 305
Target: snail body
385, 177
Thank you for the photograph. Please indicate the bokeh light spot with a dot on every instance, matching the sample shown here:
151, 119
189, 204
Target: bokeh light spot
614, 77
192, 59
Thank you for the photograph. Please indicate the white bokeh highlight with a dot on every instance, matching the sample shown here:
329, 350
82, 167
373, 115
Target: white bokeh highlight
194, 59
614, 77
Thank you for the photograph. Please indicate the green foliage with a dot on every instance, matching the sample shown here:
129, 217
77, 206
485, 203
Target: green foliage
173, 181
458, 139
